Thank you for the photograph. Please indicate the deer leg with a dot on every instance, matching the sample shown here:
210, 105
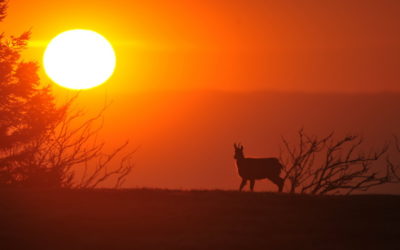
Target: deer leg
244, 181
252, 182
279, 182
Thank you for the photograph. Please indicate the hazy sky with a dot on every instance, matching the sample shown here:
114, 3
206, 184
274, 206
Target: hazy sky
186, 137
231, 44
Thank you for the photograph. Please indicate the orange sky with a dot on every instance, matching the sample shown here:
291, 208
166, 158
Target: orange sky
240, 47
232, 44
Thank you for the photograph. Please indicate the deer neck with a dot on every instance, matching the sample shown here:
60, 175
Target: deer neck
239, 161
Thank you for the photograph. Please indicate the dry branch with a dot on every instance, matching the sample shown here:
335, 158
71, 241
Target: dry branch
321, 165
70, 155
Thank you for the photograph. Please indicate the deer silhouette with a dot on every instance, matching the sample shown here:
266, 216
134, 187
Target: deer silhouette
257, 168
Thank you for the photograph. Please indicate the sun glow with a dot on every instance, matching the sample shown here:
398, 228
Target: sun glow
79, 59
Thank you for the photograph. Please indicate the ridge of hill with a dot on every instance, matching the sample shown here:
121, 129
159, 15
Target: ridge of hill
175, 219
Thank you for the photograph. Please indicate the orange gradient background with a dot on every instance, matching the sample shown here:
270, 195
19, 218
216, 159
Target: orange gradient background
192, 77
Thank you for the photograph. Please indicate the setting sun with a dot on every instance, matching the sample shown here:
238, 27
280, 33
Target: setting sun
79, 59
199, 124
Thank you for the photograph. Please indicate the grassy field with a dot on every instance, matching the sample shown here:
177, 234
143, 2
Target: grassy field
165, 219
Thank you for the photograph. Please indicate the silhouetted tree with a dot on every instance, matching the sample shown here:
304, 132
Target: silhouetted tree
27, 110
71, 155
393, 164
42, 144
322, 165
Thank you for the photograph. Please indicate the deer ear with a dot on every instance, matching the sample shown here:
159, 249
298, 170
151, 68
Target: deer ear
241, 147
234, 146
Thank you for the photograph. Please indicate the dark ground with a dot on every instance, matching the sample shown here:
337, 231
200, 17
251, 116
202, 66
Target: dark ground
159, 219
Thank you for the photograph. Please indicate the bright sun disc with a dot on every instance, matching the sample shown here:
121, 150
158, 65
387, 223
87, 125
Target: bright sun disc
79, 59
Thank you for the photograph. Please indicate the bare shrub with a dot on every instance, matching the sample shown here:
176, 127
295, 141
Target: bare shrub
322, 165
71, 155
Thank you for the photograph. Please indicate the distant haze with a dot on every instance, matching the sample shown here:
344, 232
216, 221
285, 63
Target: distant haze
193, 77
186, 138
310, 45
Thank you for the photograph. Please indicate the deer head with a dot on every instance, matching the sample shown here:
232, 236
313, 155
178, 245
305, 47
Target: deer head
238, 151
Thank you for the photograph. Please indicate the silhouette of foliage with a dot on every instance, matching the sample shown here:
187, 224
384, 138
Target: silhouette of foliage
322, 165
72, 157
3, 9
394, 167
40, 143
27, 109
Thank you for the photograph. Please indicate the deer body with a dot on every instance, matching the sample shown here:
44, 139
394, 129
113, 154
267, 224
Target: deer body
253, 169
